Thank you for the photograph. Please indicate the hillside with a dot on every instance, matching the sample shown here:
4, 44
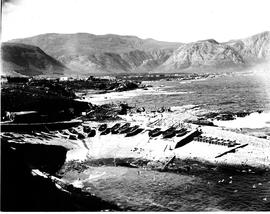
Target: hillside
20, 59
203, 53
253, 48
87, 53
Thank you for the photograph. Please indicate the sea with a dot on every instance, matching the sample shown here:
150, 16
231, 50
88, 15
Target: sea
207, 189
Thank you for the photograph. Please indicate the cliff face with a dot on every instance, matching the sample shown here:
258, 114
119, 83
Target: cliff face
87, 53
20, 59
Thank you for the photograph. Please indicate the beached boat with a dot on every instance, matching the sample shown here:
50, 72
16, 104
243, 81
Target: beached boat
124, 128
134, 132
107, 131
155, 132
103, 127
188, 138
182, 133
132, 129
19, 127
115, 128
92, 133
169, 133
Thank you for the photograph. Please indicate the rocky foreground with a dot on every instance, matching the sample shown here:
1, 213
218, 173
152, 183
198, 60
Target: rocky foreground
48, 161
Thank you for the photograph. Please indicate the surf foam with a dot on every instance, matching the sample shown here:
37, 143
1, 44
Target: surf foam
254, 120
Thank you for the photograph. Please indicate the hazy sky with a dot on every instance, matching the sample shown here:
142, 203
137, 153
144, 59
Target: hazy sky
167, 20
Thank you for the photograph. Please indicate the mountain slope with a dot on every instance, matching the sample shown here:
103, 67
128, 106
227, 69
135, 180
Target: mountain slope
106, 53
28, 60
87, 53
254, 48
203, 53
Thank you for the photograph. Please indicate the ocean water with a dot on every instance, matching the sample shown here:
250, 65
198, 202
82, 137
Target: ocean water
227, 93
238, 92
208, 189
204, 190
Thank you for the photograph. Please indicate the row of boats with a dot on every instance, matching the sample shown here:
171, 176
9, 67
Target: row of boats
126, 129
216, 141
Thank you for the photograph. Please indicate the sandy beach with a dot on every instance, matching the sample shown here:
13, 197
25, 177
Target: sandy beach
141, 146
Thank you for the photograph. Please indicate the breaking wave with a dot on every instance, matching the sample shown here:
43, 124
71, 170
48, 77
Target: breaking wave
254, 120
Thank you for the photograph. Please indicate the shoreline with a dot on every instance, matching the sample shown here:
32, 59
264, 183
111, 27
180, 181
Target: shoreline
118, 146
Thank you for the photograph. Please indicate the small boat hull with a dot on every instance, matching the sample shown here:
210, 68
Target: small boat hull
155, 132
103, 127
169, 133
115, 128
124, 128
107, 131
134, 132
180, 134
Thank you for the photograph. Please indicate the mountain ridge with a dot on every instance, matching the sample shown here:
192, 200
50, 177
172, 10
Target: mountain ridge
85, 53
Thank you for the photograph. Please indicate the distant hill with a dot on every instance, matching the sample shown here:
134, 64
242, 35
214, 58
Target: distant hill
21, 59
207, 53
253, 48
87, 53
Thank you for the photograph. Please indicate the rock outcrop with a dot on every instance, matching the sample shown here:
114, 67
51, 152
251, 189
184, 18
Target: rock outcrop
21, 190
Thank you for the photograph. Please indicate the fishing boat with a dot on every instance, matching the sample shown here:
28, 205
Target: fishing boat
103, 127
10, 126
134, 132
182, 133
107, 131
169, 133
155, 132
132, 129
92, 133
115, 128
124, 128
188, 138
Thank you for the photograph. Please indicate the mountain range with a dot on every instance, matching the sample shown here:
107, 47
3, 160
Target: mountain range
84, 53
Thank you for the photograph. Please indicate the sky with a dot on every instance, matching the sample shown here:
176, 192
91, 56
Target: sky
165, 20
